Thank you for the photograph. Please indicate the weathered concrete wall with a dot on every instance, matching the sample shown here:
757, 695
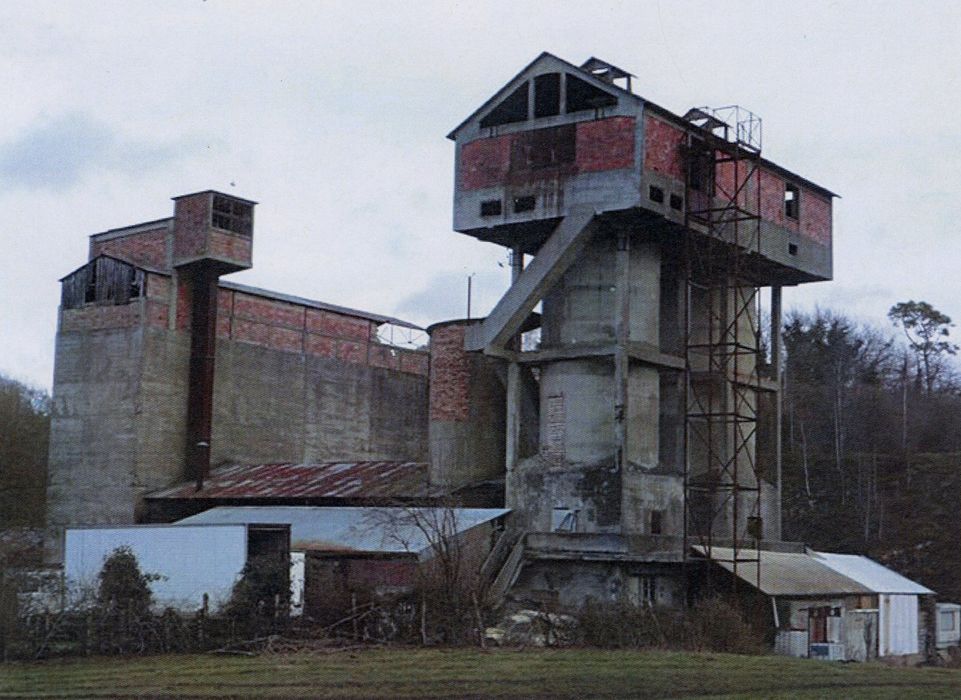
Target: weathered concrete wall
94, 428
572, 583
271, 406
120, 396
467, 410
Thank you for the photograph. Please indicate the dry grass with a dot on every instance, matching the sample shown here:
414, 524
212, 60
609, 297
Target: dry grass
464, 673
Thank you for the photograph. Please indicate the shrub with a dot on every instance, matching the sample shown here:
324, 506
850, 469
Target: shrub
260, 600
123, 586
711, 624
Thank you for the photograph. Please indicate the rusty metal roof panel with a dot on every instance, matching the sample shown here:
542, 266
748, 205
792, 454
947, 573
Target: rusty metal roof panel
356, 529
322, 480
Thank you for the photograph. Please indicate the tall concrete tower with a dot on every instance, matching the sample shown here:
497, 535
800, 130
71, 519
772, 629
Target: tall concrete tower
653, 237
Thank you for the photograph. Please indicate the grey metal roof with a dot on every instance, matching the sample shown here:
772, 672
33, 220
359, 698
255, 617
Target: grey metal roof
867, 572
356, 530
787, 573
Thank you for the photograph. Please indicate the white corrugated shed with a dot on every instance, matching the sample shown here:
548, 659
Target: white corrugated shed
356, 529
880, 579
897, 600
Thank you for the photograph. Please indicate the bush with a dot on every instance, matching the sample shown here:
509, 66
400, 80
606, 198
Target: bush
712, 624
260, 600
123, 586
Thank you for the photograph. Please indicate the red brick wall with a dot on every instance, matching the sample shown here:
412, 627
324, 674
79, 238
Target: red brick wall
605, 144
338, 325
291, 327
232, 247
485, 162
144, 248
191, 224
816, 217
662, 148
100, 317
602, 144
449, 374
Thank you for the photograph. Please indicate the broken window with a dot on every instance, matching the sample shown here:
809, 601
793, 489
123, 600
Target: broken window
657, 519
656, 194
232, 215
948, 622
544, 148
547, 95
581, 95
103, 280
564, 520
642, 590
792, 201
512, 109
700, 168
492, 207
677, 201
522, 204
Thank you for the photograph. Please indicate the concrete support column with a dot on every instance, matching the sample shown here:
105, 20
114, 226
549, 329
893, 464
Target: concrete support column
514, 381
776, 344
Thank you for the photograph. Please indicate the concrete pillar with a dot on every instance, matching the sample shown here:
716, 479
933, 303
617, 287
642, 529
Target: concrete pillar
514, 386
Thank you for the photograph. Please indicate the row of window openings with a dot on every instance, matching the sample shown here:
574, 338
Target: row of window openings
579, 96
565, 520
494, 207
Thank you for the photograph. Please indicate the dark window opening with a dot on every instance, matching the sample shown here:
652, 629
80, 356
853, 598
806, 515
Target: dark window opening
677, 202
102, 281
522, 204
657, 518
755, 527
547, 95
544, 148
792, 248
656, 194
512, 109
700, 168
581, 96
792, 201
491, 207
232, 215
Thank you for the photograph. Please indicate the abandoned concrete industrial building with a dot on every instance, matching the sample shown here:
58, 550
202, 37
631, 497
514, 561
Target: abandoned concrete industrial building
634, 439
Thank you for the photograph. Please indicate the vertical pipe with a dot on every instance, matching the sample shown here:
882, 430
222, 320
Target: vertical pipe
514, 381
203, 346
622, 307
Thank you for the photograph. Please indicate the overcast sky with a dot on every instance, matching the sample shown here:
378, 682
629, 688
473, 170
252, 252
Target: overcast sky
333, 116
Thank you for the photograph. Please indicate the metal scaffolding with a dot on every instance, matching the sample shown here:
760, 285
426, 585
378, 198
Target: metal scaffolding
722, 482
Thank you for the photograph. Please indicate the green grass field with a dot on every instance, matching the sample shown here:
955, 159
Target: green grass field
460, 673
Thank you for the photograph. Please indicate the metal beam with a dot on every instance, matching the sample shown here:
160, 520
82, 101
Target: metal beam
550, 263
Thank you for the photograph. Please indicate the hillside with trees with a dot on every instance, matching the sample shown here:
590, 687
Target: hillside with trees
872, 440
24, 434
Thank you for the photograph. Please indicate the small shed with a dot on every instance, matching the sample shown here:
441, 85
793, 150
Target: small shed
833, 606
949, 625
350, 550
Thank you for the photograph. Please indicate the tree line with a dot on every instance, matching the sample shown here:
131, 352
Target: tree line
872, 439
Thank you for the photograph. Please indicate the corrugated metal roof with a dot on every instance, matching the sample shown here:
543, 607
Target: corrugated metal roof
356, 530
877, 577
322, 480
787, 573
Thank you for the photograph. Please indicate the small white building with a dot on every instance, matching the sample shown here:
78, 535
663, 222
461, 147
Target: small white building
949, 625
834, 606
